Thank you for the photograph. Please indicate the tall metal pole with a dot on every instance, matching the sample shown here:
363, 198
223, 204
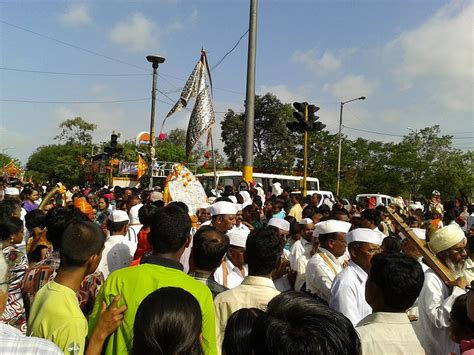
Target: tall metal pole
340, 143
339, 153
305, 154
250, 94
155, 60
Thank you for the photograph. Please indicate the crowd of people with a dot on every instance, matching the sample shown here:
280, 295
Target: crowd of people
118, 271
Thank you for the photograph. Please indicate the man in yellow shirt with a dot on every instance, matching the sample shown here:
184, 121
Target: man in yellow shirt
55, 313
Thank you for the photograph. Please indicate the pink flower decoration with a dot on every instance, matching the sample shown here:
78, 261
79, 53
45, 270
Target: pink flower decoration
162, 136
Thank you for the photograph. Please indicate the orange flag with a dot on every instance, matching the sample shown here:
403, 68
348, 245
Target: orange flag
142, 166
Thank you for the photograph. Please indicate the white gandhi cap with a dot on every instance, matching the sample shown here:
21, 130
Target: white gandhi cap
119, 216
222, 207
331, 226
279, 223
365, 235
419, 232
238, 237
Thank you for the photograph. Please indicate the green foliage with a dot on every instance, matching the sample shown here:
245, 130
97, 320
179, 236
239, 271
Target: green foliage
76, 131
274, 144
59, 162
5, 159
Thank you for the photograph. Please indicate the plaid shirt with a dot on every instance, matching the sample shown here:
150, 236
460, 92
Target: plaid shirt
13, 342
39, 274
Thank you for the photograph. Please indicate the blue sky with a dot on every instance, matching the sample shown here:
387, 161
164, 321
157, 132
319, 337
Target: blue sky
412, 59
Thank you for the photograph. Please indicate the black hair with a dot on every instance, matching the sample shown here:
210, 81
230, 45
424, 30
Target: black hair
181, 205
399, 277
8, 207
263, 251
297, 197
278, 204
324, 209
146, 213
167, 322
337, 212
114, 227
372, 215
237, 338
35, 218
80, 241
9, 226
169, 229
209, 247
57, 219
27, 191
309, 212
324, 238
391, 245
223, 198
460, 320
296, 323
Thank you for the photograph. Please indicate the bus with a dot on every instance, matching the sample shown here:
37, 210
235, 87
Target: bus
233, 178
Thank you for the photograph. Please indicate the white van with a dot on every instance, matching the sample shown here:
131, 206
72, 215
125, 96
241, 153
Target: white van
380, 199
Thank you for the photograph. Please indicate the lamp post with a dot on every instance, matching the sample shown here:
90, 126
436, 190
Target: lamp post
340, 143
155, 60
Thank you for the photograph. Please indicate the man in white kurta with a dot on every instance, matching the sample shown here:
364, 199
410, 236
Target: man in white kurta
304, 244
436, 298
348, 288
118, 250
324, 265
233, 268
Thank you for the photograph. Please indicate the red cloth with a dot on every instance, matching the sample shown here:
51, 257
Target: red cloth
143, 245
467, 347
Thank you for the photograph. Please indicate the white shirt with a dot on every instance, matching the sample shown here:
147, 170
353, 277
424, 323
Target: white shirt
434, 306
388, 333
118, 253
321, 272
301, 265
297, 249
234, 276
348, 293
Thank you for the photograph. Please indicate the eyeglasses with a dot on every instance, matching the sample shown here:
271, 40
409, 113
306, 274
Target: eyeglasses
470, 287
459, 250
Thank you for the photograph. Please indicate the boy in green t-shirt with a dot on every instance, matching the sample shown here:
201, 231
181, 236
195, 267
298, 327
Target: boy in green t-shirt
55, 313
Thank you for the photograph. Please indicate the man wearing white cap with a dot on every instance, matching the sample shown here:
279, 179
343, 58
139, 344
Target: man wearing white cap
348, 288
436, 298
134, 204
304, 244
118, 250
12, 193
323, 266
233, 268
410, 250
222, 215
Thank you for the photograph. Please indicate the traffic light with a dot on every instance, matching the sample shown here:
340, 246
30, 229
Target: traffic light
113, 148
113, 140
305, 115
313, 125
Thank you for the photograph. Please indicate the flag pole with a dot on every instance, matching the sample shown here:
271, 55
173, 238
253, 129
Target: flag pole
213, 161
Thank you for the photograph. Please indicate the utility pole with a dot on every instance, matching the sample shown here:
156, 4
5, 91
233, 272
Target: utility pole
250, 94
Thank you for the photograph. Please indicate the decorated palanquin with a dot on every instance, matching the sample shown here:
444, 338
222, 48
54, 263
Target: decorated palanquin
182, 185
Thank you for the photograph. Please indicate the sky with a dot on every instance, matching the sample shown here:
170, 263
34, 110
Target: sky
413, 60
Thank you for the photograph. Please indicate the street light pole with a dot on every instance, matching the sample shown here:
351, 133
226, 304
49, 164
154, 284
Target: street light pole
155, 60
340, 143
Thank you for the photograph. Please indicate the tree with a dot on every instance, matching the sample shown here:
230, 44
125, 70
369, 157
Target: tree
274, 144
56, 163
76, 131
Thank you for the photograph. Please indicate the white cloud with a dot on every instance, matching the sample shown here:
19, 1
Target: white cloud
75, 15
351, 86
175, 27
438, 57
99, 89
318, 65
285, 94
137, 34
